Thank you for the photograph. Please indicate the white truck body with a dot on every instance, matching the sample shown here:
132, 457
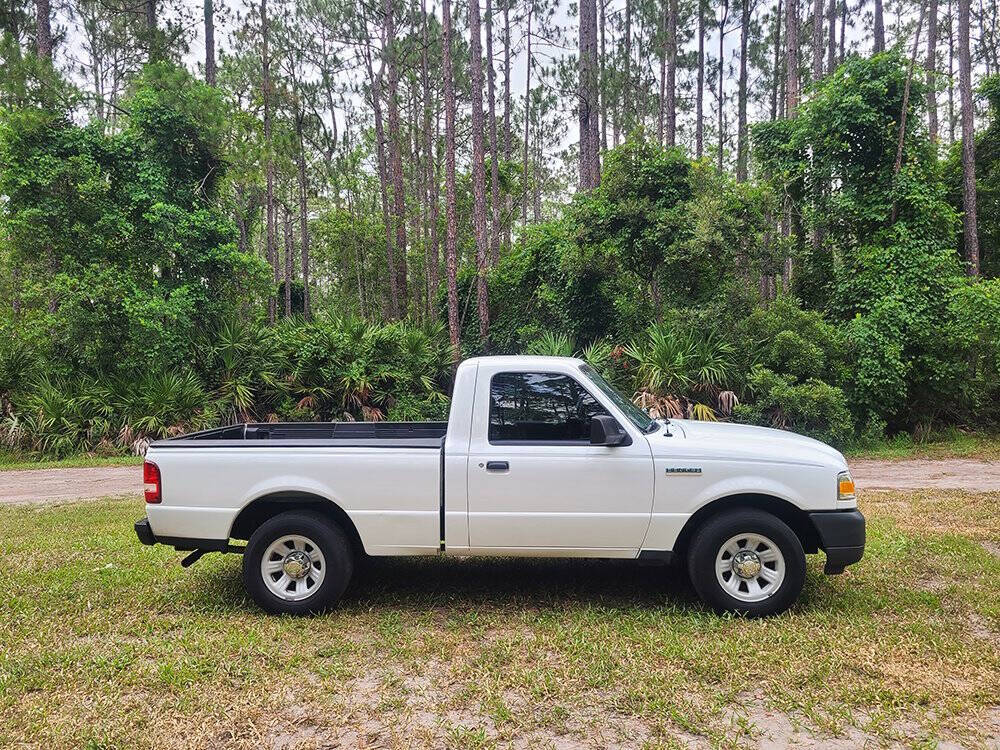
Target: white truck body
469, 492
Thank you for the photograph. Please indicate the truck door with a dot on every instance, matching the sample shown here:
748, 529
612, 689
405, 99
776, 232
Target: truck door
535, 480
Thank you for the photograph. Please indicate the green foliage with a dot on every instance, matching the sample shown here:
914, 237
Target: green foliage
812, 408
672, 361
122, 256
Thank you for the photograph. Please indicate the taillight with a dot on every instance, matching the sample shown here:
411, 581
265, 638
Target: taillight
151, 482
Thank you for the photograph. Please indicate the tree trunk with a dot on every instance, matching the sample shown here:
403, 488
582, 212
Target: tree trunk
699, 125
509, 201
971, 233
932, 109
778, 19
601, 8
494, 156
831, 52
395, 159
431, 261
742, 141
951, 73
479, 172
209, 43
527, 119
671, 93
288, 264
843, 31
817, 41
791, 57
451, 219
590, 167
627, 85
272, 259
722, 79
151, 32
878, 31
44, 28
383, 178
303, 213
661, 110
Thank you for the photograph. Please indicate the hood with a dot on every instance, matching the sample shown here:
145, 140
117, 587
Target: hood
740, 441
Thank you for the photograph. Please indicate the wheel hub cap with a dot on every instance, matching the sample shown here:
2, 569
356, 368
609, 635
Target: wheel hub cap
296, 564
747, 564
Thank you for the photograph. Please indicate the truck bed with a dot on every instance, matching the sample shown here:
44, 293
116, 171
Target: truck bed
311, 434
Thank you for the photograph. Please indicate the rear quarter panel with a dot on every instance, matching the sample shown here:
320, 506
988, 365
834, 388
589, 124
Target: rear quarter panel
391, 494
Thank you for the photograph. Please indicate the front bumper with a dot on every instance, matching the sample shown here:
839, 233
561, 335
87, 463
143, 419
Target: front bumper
842, 536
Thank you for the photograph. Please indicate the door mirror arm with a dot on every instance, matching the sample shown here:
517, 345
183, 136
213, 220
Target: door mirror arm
604, 430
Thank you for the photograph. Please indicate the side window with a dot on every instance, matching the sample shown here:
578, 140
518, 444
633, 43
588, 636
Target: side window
540, 406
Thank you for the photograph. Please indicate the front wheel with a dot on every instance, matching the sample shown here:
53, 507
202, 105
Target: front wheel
747, 562
297, 563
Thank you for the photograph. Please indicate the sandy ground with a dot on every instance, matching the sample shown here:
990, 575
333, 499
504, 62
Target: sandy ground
61, 485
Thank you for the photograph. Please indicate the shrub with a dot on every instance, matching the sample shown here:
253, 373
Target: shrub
813, 408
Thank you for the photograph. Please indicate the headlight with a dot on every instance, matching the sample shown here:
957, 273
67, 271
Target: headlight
845, 487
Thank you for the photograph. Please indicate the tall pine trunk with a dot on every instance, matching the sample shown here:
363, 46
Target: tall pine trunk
209, 43
588, 104
43, 28
778, 20
479, 172
494, 155
817, 41
932, 108
395, 158
527, 119
831, 22
265, 57
722, 79
671, 83
383, 178
451, 218
971, 231
878, 30
742, 141
288, 263
699, 125
303, 212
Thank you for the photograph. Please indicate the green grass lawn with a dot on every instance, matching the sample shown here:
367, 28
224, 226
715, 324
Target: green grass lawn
108, 644
18, 461
948, 444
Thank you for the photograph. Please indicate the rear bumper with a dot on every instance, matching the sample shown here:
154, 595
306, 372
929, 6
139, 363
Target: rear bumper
842, 536
183, 544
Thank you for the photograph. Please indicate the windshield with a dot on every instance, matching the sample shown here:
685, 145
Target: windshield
635, 415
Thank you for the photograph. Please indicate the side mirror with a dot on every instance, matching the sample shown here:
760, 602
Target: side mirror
604, 430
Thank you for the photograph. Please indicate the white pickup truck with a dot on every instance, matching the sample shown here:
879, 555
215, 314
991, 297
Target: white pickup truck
540, 457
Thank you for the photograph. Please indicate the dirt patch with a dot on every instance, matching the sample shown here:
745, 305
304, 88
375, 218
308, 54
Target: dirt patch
920, 474
53, 486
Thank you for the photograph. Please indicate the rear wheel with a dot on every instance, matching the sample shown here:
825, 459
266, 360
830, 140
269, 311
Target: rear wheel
297, 563
747, 562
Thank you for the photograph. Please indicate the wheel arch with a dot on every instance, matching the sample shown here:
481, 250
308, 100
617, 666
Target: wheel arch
796, 518
267, 506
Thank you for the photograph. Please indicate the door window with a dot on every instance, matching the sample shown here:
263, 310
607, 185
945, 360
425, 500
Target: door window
540, 407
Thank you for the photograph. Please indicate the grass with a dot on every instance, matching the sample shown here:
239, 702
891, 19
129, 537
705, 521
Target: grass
107, 644
947, 444
18, 461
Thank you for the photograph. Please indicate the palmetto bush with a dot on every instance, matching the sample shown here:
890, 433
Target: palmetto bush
335, 368
688, 368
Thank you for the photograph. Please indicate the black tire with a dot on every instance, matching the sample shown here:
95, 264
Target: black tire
331, 541
706, 547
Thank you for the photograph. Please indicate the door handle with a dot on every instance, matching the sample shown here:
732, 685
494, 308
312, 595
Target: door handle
497, 466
